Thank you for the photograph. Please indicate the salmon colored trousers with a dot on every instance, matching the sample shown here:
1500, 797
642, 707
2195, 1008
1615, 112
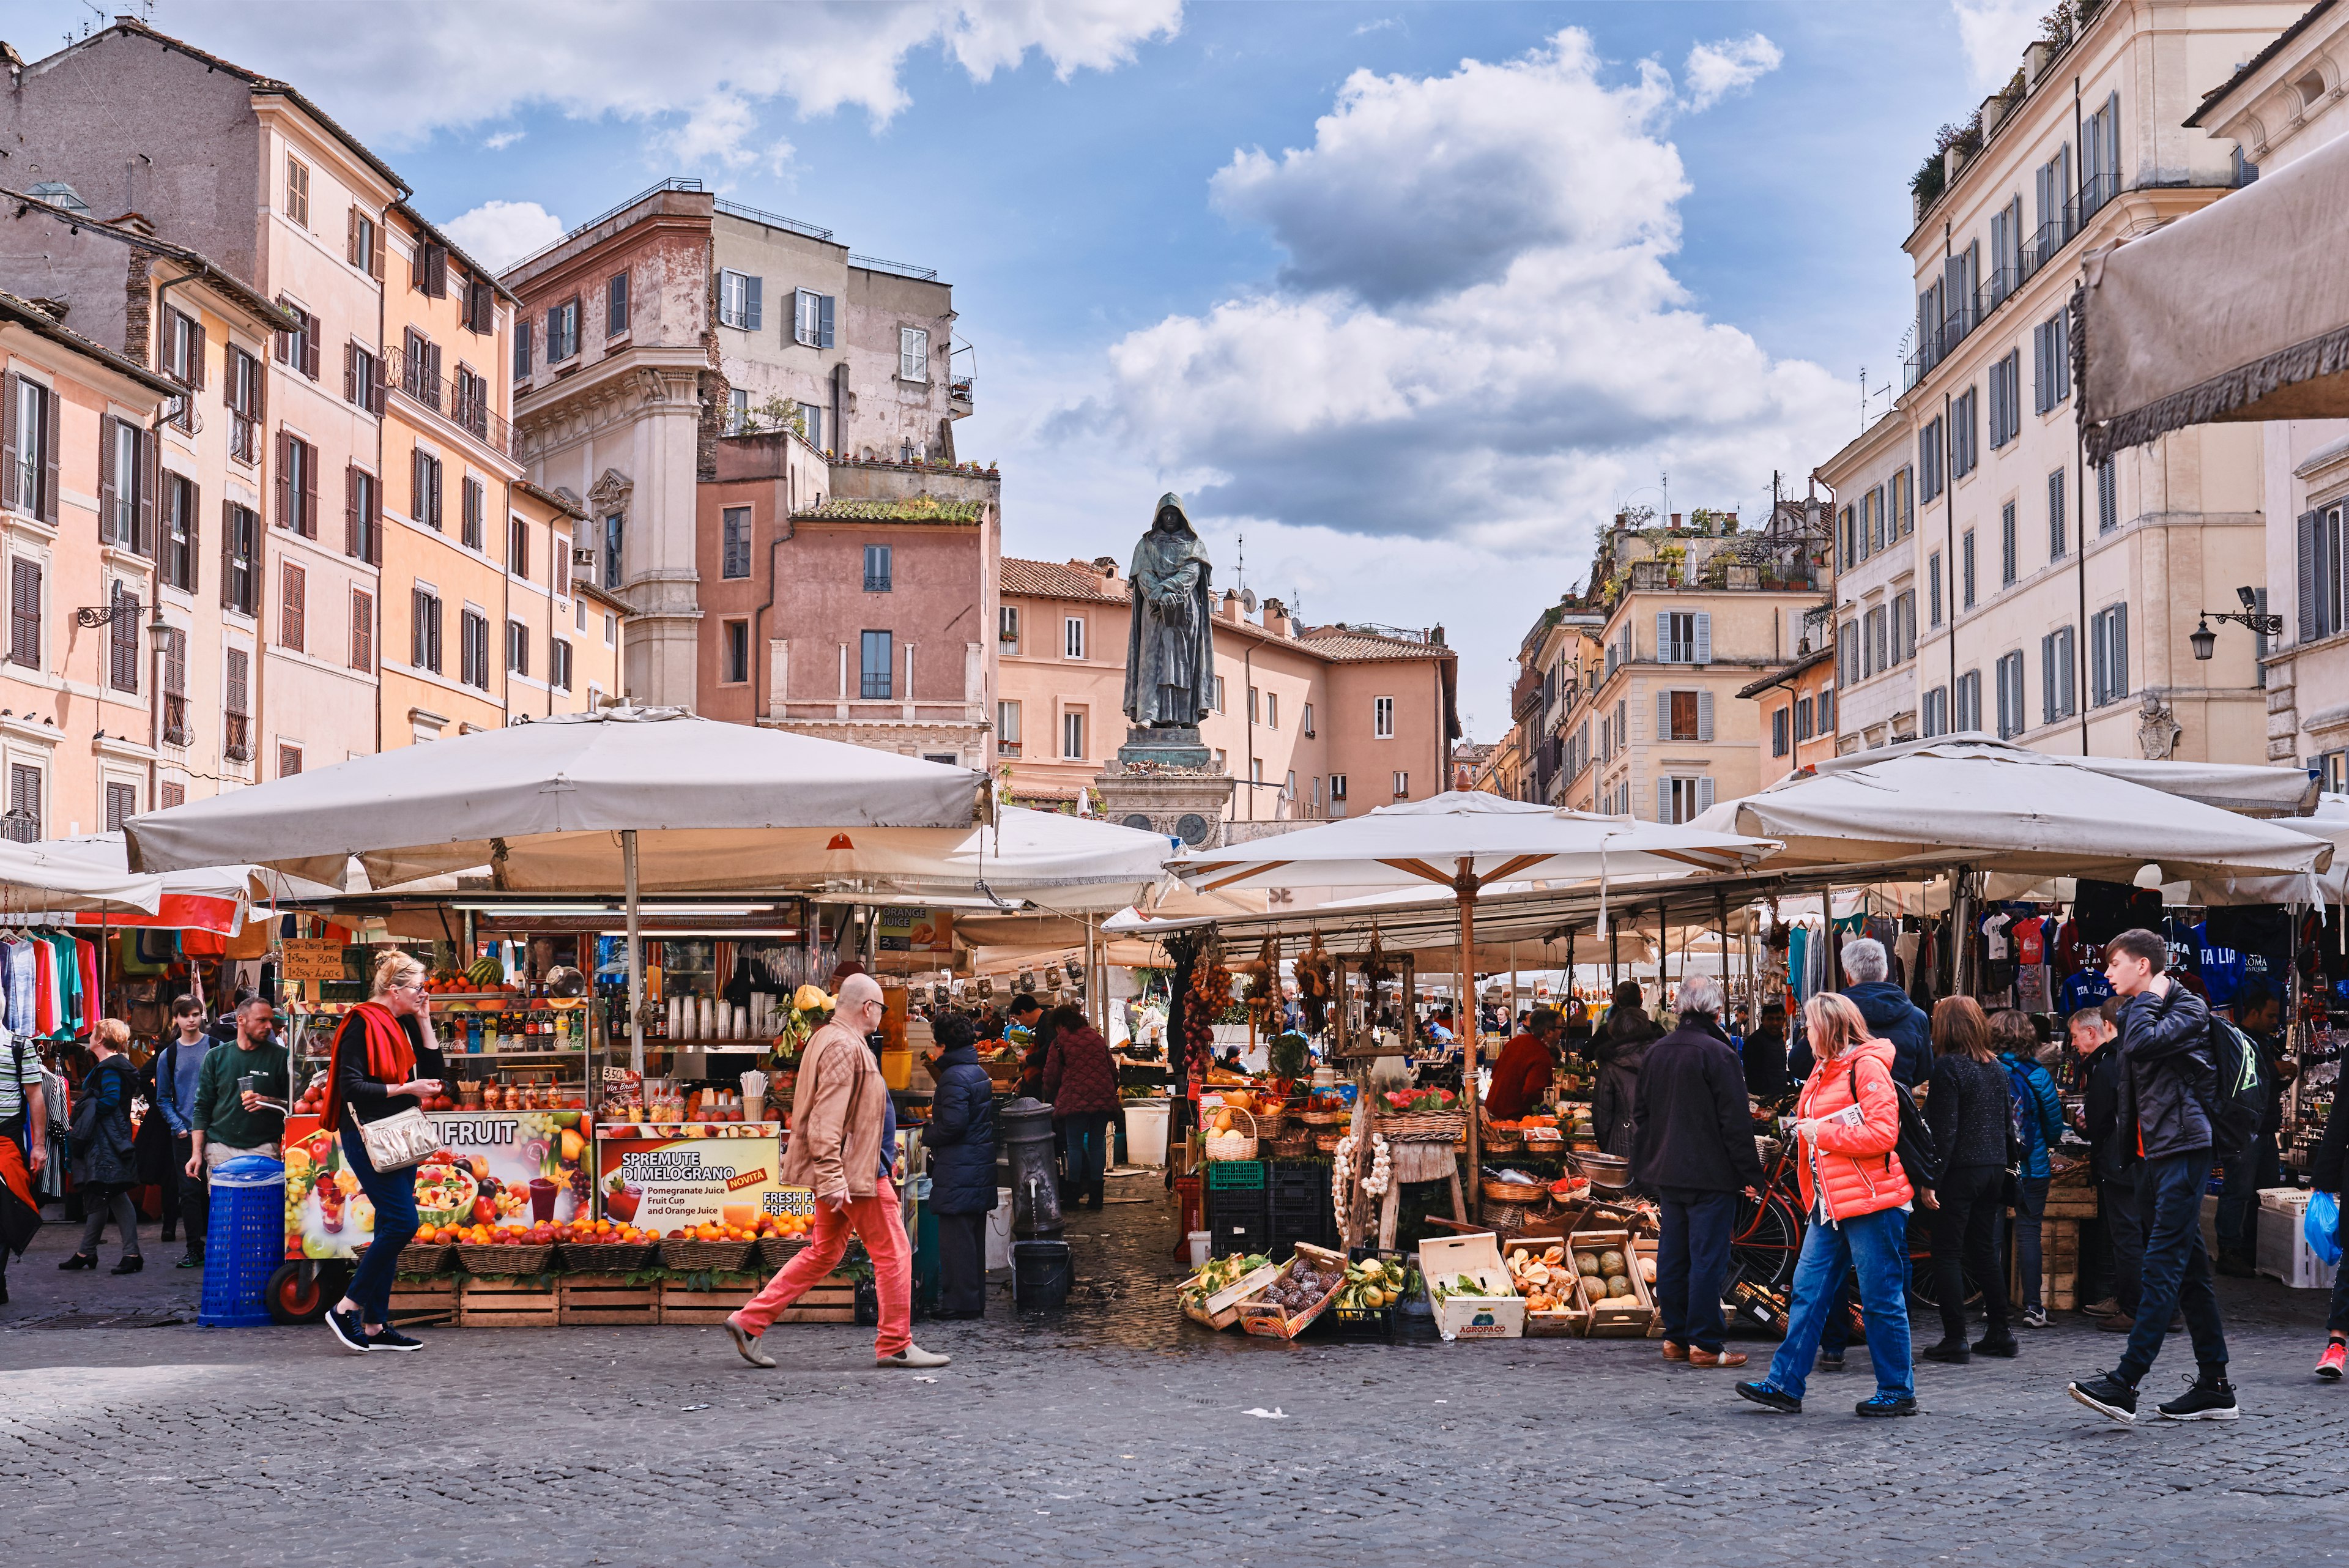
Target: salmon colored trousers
878, 1222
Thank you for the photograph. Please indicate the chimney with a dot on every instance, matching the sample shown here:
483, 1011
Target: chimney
1230, 607
1276, 618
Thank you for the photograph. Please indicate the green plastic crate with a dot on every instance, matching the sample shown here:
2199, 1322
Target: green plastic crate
1234, 1175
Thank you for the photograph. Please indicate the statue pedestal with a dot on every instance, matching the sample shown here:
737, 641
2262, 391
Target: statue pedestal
1162, 781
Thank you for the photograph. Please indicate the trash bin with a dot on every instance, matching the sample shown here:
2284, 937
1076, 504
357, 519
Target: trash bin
1042, 1274
245, 1241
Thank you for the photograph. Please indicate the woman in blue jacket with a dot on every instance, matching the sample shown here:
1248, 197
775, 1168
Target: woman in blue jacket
961, 1141
2040, 1113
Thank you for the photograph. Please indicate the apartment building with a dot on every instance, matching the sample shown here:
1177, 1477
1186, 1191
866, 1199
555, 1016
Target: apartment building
2065, 594
181, 497
676, 319
1555, 660
1314, 722
2285, 102
1694, 611
1881, 589
1796, 707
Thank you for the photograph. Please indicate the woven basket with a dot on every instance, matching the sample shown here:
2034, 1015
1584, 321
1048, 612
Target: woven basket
699, 1257
608, 1257
1325, 1118
426, 1258
1422, 1126
774, 1251
1293, 1145
481, 1259
1516, 1195
1328, 1140
1501, 1140
1234, 1145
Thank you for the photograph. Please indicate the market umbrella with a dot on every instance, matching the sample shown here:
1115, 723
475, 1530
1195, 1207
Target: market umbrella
1069, 863
42, 877
216, 898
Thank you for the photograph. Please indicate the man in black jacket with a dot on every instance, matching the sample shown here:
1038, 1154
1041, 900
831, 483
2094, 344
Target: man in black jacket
2112, 1156
1693, 1145
2167, 1091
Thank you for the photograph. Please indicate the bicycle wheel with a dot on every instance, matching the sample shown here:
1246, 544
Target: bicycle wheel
1924, 1294
1766, 1242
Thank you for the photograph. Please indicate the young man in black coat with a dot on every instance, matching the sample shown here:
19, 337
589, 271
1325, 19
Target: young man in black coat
2112, 1155
1692, 1146
960, 1138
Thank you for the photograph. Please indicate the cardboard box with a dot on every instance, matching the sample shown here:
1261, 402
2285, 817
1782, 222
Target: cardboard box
1615, 1317
1499, 1315
1265, 1321
1572, 1318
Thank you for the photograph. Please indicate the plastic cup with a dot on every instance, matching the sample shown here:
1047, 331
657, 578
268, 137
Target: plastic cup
543, 1194
622, 1205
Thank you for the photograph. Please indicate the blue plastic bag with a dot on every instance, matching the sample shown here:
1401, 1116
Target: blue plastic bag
2322, 1228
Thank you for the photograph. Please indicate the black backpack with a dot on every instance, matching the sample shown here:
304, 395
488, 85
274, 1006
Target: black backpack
1918, 1160
2240, 1095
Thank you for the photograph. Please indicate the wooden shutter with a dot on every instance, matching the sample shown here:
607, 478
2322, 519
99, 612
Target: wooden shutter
437, 271
24, 612
196, 352
375, 261
1703, 715
2310, 627
1704, 637
824, 318
750, 287
371, 498
147, 454
351, 373
110, 484
432, 372
8, 441
352, 542
309, 345
309, 491
362, 631
290, 606
1663, 635
1664, 715
352, 238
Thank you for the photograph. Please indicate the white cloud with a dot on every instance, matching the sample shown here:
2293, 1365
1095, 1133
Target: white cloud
1717, 70
498, 233
717, 131
395, 74
1381, 26
1994, 34
504, 140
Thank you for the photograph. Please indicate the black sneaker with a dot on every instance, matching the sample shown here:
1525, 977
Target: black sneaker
2107, 1396
1770, 1398
189, 1261
1886, 1405
1830, 1361
1998, 1344
2210, 1398
1953, 1351
392, 1339
347, 1327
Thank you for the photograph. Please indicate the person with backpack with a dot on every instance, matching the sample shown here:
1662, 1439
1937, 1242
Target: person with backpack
1968, 1105
1856, 1176
2256, 1014
2112, 1154
2179, 1097
2038, 1113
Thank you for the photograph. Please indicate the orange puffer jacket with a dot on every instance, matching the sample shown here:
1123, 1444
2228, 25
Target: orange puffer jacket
1857, 1163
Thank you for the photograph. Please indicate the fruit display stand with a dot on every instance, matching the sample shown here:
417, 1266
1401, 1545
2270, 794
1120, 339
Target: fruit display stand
1626, 1314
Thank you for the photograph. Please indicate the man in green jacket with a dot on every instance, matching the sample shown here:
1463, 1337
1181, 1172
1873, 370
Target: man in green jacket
230, 1120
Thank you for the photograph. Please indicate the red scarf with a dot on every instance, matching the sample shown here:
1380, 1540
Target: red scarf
390, 1059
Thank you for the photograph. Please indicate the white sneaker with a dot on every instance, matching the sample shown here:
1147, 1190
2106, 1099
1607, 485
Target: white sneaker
912, 1355
2035, 1317
747, 1344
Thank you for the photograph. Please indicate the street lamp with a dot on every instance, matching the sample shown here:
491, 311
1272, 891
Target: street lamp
2206, 641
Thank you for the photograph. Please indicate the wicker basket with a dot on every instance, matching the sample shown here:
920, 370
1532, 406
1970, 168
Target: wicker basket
774, 1251
1325, 1118
483, 1259
1296, 1144
1329, 1138
1518, 1194
1234, 1145
608, 1257
426, 1258
1422, 1126
705, 1257
1501, 1140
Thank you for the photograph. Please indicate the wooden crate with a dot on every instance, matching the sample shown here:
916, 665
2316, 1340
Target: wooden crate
488, 1302
1618, 1317
1571, 1322
585, 1300
423, 1301
830, 1300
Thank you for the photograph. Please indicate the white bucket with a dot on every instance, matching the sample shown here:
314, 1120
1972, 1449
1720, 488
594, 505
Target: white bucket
999, 1232
1146, 1132
1199, 1240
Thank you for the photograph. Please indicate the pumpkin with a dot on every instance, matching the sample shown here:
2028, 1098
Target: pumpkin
1617, 1286
1587, 1263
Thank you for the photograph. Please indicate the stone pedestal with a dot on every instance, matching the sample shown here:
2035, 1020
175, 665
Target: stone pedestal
1162, 781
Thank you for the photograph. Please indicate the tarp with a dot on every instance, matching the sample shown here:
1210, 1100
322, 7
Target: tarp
714, 806
217, 899
43, 878
2231, 786
1071, 863
2238, 311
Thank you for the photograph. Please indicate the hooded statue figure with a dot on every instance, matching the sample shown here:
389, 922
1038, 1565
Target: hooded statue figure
1169, 644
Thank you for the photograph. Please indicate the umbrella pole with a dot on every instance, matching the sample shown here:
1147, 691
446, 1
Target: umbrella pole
635, 957
1464, 885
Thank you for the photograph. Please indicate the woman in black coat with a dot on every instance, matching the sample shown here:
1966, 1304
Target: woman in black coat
1968, 1105
105, 1162
961, 1141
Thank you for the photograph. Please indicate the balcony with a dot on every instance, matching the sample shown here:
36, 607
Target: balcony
465, 408
175, 720
243, 437
236, 738
21, 827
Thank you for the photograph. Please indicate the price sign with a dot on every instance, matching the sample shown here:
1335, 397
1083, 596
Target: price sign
313, 958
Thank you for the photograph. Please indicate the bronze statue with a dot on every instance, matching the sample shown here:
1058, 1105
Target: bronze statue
1170, 658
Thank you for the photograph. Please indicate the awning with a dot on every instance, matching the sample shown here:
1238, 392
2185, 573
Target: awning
2239, 311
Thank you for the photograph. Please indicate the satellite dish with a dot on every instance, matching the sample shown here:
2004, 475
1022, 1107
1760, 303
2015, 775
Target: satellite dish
1247, 600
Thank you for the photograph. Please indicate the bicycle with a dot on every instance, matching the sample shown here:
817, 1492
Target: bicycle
1768, 1238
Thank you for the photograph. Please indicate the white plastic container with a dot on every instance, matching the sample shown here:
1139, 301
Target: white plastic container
1199, 1241
2283, 1251
999, 1232
1146, 1132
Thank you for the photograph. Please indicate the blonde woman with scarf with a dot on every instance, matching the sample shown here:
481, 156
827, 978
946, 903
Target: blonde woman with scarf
383, 1046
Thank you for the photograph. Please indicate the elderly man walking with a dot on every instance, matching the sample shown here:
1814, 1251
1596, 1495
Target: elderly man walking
1692, 1146
842, 1147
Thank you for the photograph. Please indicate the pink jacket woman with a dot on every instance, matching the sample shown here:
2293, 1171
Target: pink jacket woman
1856, 1163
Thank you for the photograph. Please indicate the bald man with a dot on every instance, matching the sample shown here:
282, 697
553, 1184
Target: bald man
843, 1149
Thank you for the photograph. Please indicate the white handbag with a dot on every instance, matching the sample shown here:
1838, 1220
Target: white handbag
399, 1141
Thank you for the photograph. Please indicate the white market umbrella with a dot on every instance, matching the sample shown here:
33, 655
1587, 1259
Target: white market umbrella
215, 899
42, 877
1049, 858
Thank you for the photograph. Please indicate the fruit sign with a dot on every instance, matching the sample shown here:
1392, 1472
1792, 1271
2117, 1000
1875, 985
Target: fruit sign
498, 1168
666, 1184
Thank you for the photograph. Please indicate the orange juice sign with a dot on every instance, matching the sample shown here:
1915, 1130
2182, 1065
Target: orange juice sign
665, 1184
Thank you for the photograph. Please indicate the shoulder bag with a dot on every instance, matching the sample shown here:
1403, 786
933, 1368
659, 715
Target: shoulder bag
400, 1140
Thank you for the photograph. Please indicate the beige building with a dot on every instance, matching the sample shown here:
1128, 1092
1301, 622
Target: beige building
2054, 600
1313, 722
1556, 661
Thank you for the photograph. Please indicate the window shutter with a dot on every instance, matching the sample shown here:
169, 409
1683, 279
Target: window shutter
2309, 623
351, 373
750, 315
2120, 650
310, 493
436, 271
1704, 637
2047, 679
362, 631
25, 613
823, 319
1705, 793
432, 369
1704, 715
375, 260
109, 485
8, 395
352, 540
1664, 715
146, 452
310, 347
1663, 635
1663, 799
196, 349
228, 535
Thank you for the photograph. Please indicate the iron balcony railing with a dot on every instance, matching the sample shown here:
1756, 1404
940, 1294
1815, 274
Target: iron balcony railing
464, 405
236, 738
175, 720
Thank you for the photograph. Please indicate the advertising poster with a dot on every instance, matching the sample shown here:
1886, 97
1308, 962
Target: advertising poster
905, 929
666, 1184
499, 1167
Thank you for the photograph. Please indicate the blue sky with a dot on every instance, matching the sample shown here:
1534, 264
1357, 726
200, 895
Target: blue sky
1411, 295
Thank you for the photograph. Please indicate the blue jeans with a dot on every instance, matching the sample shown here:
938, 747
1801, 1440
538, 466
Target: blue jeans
2239, 1201
1876, 1247
2177, 1269
1086, 1135
2029, 1221
1692, 1264
393, 1193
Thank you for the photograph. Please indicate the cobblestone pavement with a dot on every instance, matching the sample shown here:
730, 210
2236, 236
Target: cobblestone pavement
1113, 1434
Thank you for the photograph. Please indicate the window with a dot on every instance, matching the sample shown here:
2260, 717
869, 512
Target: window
299, 348
2100, 158
1875, 653
1289, 786
297, 485
2057, 536
1936, 712
25, 613
1961, 435
1402, 785
2322, 591
181, 355
2007, 547
1904, 504
424, 630
1904, 626
362, 378
738, 410
121, 804
912, 354
611, 629
1969, 716
558, 666
297, 191
289, 760
420, 369
240, 563
1681, 799
522, 351
1872, 508
291, 587
1072, 734
1256, 770
1933, 588
518, 547
471, 394
811, 320
1848, 528
1272, 710
1684, 715
362, 516
562, 332
1308, 720
178, 557
874, 668
28, 466
2109, 656
2109, 498
1382, 718
734, 652
615, 536
1805, 718
1072, 637
172, 795
1007, 728
1685, 637
812, 416
472, 506
2052, 190
362, 630
1966, 570
518, 647
880, 575
615, 304
738, 300
2009, 694
1847, 647
473, 648
123, 502
2005, 252
2005, 400
427, 268
1929, 460
2058, 659
1781, 727
1252, 705
1007, 626
424, 491
1216, 695
364, 245
734, 542
2051, 363
1337, 787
